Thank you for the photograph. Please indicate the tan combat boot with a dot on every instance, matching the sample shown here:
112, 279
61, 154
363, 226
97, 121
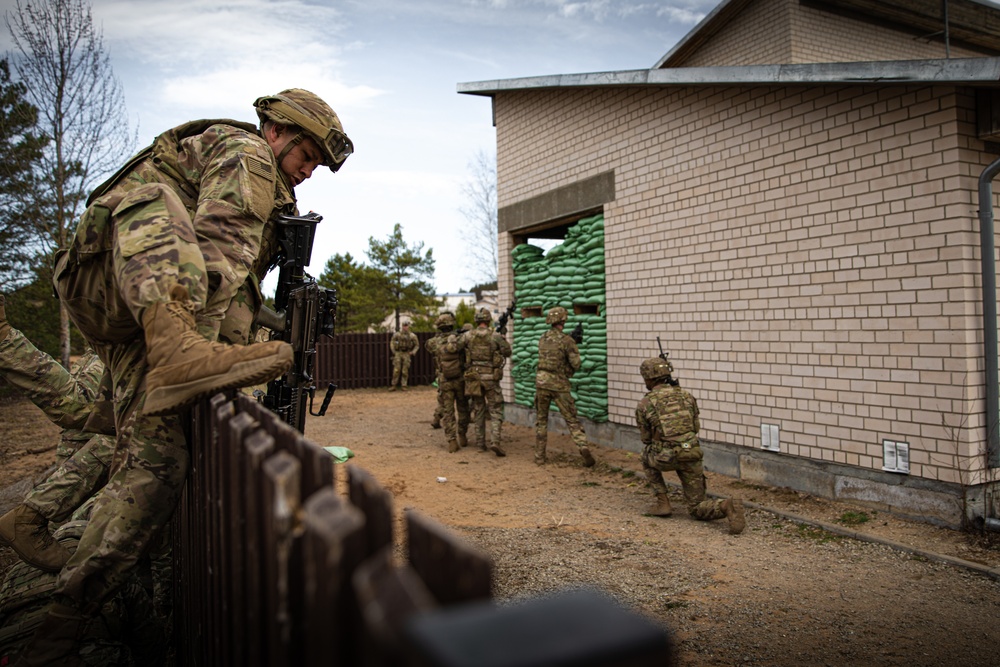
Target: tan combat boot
540, 445
452, 446
184, 366
588, 458
463, 440
497, 449
661, 507
733, 507
27, 532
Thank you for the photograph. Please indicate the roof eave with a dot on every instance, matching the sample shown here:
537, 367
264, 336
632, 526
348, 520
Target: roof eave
955, 71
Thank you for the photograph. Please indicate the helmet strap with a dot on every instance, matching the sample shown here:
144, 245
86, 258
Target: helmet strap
295, 141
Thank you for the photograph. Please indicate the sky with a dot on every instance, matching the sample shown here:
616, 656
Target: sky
389, 68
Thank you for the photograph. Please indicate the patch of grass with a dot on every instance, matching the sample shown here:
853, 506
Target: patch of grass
818, 535
628, 474
591, 484
852, 518
675, 604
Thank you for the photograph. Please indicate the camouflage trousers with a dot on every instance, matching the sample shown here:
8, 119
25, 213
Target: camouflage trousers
401, 368
76, 478
117, 267
490, 402
567, 408
691, 474
452, 400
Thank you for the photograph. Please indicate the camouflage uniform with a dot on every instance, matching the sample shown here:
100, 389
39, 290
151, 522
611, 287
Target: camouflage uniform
450, 390
404, 346
192, 210
126, 632
558, 360
68, 400
486, 352
668, 423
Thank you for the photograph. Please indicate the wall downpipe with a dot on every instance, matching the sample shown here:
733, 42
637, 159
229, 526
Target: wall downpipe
986, 243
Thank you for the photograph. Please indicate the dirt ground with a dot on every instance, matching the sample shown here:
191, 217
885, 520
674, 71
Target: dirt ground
785, 592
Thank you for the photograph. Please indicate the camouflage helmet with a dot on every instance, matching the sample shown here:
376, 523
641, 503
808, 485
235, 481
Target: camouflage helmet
556, 315
318, 121
483, 315
656, 368
444, 321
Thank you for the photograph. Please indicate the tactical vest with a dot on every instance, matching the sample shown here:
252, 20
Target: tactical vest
551, 357
674, 414
479, 349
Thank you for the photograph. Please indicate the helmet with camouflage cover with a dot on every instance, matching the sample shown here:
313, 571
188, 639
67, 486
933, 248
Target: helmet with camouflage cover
318, 121
444, 322
556, 315
483, 315
656, 368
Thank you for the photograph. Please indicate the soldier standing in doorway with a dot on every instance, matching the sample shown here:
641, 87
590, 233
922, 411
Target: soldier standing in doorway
558, 360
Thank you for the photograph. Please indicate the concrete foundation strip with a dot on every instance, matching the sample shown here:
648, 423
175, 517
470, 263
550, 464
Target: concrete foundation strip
991, 572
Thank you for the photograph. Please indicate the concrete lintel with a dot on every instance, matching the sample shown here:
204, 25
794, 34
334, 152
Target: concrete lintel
577, 198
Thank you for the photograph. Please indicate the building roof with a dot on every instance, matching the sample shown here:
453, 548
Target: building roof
975, 23
972, 22
955, 71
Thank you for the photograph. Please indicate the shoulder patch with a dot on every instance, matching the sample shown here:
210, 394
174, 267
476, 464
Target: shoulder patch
260, 168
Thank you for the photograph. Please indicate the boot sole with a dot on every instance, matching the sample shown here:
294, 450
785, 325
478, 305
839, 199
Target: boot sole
173, 398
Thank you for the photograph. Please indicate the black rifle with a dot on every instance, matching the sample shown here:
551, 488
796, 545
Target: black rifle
663, 355
577, 333
504, 317
303, 311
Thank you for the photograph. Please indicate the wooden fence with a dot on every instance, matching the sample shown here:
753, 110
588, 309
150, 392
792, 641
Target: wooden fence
356, 360
273, 565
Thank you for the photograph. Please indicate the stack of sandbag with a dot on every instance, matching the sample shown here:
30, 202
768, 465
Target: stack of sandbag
570, 275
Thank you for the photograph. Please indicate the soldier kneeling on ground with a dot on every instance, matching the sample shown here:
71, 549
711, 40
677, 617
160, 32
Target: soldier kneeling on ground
667, 417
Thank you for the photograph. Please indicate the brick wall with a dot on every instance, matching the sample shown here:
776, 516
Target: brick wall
808, 254
783, 31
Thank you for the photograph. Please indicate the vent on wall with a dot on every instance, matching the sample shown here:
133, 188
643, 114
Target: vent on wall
769, 437
896, 456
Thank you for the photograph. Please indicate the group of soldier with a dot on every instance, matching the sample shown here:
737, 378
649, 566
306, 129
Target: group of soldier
162, 279
469, 367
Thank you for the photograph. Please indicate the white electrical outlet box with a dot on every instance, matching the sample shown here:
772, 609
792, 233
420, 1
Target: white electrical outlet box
769, 437
896, 456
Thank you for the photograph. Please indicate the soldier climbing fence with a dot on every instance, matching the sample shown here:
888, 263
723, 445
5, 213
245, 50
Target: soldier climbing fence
273, 565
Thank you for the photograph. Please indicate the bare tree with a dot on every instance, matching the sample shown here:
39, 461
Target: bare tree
480, 211
59, 56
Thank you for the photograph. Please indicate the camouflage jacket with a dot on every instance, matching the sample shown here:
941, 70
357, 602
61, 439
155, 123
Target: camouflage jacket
558, 360
227, 178
404, 342
66, 398
667, 416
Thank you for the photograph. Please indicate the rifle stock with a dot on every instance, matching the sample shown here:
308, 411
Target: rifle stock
304, 312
